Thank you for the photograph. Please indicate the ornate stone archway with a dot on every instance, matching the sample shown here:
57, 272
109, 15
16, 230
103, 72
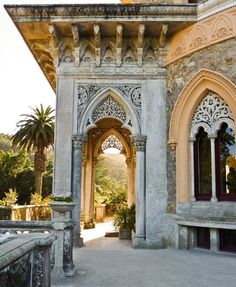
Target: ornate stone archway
108, 112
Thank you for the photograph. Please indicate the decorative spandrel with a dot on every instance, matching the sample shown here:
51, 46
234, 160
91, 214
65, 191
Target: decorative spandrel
109, 108
112, 142
210, 113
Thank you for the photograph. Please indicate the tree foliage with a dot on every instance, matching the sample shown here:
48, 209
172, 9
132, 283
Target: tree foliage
110, 187
36, 132
11, 165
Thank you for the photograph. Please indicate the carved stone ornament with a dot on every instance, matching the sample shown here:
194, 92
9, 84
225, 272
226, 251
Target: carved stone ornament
78, 140
109, 108
112, 142
133, 93
210, 113
139, 142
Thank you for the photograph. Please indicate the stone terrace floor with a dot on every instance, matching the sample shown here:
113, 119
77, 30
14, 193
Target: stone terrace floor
110, 262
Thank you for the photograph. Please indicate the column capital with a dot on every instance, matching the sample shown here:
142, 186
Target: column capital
139, 142
78, 140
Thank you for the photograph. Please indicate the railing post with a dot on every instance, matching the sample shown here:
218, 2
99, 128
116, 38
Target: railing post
68, 265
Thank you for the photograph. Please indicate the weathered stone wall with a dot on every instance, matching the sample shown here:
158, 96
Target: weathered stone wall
220, 58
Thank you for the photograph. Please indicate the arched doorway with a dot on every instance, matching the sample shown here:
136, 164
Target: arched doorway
109, 133
112, 111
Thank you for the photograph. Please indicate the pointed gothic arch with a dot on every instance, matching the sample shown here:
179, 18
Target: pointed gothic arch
105, 135
185, 106
130, 121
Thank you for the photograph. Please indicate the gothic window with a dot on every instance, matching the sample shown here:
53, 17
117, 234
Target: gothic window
213, 151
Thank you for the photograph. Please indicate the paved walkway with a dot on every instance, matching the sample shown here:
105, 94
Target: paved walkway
110, 262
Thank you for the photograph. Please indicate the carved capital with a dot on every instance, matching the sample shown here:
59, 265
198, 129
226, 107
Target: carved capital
139, 142
172, 143
79, 140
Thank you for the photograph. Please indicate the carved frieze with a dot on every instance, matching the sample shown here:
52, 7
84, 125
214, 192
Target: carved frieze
218, 27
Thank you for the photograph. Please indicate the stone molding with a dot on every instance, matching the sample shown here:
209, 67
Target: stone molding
215, 28
78, 141
139, 142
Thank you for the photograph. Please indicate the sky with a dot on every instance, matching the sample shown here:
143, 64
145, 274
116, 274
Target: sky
22, 83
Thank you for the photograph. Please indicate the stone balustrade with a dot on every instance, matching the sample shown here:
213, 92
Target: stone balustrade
25, 260
61, 249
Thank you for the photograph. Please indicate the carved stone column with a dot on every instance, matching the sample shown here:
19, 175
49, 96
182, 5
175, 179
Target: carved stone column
78, 141
213, 168
130, 182
193, 198
139, 142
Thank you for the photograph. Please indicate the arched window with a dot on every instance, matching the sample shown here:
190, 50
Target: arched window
213, 152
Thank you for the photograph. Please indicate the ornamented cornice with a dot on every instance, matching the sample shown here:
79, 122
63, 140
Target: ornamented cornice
107, 11
139, 142
78, 140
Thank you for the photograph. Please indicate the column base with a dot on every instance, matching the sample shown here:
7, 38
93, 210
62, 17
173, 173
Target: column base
57, 273
139, 242
71, 272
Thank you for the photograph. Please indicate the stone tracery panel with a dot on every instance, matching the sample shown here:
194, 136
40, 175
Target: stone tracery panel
210, 113
112, 142
109, 108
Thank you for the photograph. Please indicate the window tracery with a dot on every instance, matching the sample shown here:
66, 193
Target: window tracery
112, 142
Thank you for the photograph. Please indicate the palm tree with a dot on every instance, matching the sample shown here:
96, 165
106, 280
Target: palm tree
36, 133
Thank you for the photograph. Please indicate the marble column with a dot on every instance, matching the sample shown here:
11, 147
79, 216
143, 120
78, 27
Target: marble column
78, 141
193, 198
139, 142
213, 169
130, 182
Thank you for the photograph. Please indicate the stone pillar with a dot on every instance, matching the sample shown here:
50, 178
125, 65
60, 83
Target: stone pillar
193, 198
130, 181
213, 169
139, 142
78, 141
214, 239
